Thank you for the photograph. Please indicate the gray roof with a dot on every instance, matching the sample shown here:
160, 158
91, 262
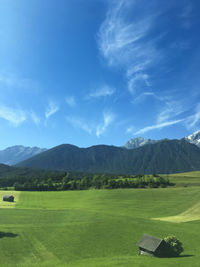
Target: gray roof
149, 242
8, 196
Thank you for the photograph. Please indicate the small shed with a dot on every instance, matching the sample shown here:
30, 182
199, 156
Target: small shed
9, 198
152, 246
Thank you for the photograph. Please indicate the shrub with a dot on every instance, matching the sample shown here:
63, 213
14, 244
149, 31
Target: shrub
174, 246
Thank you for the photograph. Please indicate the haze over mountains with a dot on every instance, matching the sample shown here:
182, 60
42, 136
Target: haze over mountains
13, 155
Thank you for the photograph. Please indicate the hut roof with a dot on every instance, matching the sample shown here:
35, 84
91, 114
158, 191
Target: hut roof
149, 242
8, 196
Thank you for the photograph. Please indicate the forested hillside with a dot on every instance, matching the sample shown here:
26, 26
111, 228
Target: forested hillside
166, 156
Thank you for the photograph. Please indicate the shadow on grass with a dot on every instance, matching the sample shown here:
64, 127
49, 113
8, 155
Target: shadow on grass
179, 256
3, 234
185, 256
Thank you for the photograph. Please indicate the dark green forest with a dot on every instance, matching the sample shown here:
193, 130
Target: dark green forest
95, 181
25, 179
166, 156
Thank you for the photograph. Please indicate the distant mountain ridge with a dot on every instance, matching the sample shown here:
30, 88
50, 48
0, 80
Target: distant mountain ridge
13, 155
109, 158
140, 141
166, 156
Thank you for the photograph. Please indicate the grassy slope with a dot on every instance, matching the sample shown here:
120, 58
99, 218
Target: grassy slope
188, 174
192, 214
95, 227
185, 178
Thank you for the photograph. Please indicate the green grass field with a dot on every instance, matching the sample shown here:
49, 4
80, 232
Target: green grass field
185, 179
96, 227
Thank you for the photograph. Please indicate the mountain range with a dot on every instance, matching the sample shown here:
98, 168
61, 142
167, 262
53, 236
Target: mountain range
13, 155
166, 156
140, 141
139, 155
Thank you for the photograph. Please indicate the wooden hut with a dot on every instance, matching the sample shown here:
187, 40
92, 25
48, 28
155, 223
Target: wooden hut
152, 246
9, 198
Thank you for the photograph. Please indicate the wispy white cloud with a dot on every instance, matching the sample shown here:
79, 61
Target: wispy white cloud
117, 37
193, 120
70, 100
103, 91
130, 130
158, 126
137, 68
80, 123
132, 42
167, 118
94, 128
138, 80
15, 81
170, 110
35, 118
121, 42
51, 109
14, 116
140, 98
108, 118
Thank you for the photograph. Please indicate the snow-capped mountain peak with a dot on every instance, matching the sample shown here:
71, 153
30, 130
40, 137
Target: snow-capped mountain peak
138, 142
194, 138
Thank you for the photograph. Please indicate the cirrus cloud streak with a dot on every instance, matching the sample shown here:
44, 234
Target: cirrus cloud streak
14, 116
158, 126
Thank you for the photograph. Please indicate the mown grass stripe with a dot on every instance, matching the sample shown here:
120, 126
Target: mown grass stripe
192, 214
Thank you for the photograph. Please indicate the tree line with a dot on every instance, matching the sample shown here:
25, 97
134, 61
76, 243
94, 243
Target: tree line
92, 181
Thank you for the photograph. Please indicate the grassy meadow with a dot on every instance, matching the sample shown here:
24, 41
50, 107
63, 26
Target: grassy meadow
184, 179
97, 227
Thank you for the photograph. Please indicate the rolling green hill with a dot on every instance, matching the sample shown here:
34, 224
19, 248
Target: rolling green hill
167, 156
96, 227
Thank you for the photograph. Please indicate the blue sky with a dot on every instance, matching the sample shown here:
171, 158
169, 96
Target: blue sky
90, 72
